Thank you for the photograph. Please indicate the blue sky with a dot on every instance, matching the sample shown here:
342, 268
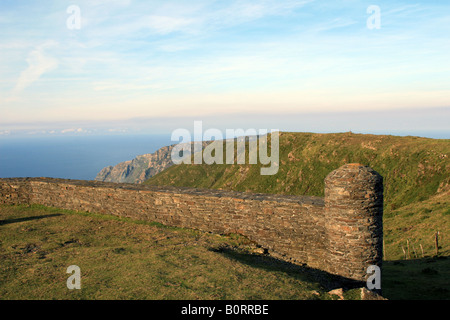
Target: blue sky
153, 65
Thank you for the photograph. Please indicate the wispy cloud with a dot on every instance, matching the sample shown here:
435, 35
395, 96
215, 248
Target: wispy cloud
38, 64
333, 24
73, 130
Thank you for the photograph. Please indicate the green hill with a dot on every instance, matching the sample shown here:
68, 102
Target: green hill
413, 168
415, 171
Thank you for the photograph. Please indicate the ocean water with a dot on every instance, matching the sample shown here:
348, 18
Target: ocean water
72, 157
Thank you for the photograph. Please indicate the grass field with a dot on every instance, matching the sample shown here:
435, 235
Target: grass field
125, 259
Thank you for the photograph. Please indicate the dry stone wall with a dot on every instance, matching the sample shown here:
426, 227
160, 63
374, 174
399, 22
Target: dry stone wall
341, 234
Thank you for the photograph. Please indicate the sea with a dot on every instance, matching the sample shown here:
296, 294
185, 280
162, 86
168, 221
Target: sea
72, 157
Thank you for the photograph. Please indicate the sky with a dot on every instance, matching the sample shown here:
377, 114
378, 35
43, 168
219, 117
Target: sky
118, 66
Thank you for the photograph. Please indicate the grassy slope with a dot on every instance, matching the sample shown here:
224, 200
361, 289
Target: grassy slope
122, 258
413, 167
415, 225
416, 175
125, 259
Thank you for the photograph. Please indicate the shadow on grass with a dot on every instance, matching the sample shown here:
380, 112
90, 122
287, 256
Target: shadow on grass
9, 221
300, 272
417, 279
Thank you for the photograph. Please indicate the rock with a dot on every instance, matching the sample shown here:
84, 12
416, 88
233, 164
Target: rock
139, 169
337, 292
259, 250
370, 295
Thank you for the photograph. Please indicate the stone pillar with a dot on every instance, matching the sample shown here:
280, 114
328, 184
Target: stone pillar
354, 212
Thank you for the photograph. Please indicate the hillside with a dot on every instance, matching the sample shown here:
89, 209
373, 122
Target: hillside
121, 258
416, 175
413, 168
414, 227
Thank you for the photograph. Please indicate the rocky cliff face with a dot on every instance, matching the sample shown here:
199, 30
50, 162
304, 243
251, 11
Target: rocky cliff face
140, 168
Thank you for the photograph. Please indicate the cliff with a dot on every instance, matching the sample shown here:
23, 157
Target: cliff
140, 168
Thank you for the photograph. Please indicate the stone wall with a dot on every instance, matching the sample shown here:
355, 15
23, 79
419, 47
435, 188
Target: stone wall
341, 234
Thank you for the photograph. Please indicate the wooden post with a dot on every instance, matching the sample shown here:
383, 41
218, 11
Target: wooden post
407, 248
414, 250
436, 242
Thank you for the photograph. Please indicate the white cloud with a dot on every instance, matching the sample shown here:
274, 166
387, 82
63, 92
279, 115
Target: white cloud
67, 130
334, 24
38, 64
165, 24
240, 12
137, 85
121, 3
73, 130
117, 130
193, 18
